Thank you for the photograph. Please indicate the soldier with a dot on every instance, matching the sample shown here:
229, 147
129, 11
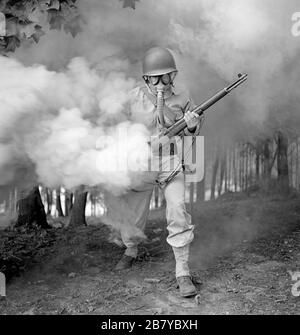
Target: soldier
157, 106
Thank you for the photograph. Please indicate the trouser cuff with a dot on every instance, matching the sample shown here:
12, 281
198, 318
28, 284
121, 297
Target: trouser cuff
182, 270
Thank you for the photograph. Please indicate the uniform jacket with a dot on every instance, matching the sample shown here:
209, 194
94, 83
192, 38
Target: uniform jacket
142, 109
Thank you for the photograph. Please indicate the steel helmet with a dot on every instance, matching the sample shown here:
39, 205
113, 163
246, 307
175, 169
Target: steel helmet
158, 61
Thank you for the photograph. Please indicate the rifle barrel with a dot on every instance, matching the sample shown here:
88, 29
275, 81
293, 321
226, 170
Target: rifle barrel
181, 124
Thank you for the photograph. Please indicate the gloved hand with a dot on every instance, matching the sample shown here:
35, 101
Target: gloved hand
192, 120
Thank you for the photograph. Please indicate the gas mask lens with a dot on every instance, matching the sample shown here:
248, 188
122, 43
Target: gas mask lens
166, 79
154, 80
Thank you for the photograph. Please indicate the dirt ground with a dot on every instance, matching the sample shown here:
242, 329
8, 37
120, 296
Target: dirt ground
244, 252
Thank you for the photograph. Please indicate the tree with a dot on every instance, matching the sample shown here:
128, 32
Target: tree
78, 210
222, 172
58, 203
71, 201
49, 198
67, 202
258, 152
282, 161
214, 174
156, 196
201, 190
31, 210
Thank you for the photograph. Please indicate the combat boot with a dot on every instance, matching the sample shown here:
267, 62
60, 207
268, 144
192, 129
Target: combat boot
186, 287
125, 263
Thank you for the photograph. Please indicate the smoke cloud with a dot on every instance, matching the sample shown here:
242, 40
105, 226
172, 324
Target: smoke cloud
57, 98
69, 124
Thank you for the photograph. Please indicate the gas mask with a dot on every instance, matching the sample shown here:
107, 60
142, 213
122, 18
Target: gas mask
161, 86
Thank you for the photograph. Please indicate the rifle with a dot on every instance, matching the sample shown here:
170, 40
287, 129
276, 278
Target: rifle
165, 137
177, 127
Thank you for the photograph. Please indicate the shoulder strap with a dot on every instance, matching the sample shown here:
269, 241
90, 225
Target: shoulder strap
186, 107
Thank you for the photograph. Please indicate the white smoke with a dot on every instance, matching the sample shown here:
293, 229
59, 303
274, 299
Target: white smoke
56, 120
64, 93
244, 36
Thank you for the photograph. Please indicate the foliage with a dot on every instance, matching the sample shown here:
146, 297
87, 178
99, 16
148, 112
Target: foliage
25, 20
129, 3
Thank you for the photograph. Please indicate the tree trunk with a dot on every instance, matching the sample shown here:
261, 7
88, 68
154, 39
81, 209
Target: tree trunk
257, 160
67, 203
78, 210
267, 163
297, 164
240, 167
156, 194
201, 190
49, 198
247, 167
214, 176
4, 197
282, 162
31, 209
228, 174
93, 200
222, 173
71, 202
94, 205
250, 176
291, 169
243, 167
12, 202
58, 203
235, 169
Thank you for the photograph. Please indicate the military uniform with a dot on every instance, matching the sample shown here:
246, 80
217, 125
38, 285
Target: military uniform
142, 110
157, 107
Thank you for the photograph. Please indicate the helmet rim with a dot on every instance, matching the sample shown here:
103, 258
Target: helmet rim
160, 72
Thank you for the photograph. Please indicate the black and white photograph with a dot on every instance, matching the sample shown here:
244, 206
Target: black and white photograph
149, 160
